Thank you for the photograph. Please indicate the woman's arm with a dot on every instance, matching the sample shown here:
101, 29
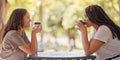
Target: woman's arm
31, 48
92, 46
89, 46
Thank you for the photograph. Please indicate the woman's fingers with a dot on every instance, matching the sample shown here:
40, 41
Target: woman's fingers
37, 28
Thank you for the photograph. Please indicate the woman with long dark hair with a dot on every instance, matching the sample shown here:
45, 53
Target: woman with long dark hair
15, 44
105, 41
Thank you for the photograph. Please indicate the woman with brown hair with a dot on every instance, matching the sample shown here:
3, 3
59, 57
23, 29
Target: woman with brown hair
15, 44
105, 41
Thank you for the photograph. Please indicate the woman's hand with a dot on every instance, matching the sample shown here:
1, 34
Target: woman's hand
80, 26
36, 28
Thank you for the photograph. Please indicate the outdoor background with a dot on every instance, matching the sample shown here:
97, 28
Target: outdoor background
58, 19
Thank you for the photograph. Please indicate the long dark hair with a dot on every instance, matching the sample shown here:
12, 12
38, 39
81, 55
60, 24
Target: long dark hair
98, 16
15, 21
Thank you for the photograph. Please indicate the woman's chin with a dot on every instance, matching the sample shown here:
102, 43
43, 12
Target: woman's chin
88, 25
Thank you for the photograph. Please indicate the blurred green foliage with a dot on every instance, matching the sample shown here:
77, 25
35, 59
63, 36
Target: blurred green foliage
59, 16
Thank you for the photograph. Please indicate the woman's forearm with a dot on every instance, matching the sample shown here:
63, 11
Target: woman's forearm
85, 42
33, 44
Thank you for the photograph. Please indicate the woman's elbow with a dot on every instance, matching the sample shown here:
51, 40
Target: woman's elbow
88, 53
32, 53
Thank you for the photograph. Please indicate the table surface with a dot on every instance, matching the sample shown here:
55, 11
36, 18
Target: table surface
60, 54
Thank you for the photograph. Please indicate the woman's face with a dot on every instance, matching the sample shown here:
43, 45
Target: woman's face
26, 20
87, 21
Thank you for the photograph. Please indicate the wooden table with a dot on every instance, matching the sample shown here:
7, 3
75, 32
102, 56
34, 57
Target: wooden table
61, 56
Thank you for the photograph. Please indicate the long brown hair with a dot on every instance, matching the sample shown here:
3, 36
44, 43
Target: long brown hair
15, 21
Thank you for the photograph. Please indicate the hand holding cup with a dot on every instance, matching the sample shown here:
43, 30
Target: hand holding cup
37, 27
80, 21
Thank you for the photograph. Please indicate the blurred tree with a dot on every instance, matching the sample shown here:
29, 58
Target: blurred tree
3, 10
119, 10
111, 8
55, 20
58, 16
71, 15
41, 20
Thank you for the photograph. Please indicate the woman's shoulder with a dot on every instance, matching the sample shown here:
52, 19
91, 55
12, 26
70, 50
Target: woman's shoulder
9, 35
11, 32
104, 27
